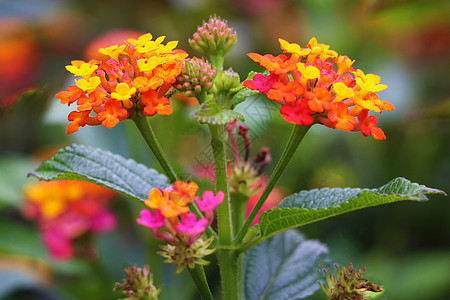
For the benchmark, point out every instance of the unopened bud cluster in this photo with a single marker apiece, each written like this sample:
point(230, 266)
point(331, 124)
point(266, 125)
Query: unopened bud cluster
point(213, 37)
point(138, 284)
point(184, 255)
point(196, 76)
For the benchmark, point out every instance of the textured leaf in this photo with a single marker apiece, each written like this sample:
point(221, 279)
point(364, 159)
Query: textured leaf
point(209, 113)
point(284, 267)
point(311, 206)
point(101, 167)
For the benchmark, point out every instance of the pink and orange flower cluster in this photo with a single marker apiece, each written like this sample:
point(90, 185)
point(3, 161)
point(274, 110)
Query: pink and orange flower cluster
point(317, 85)
point(67, 210)
point(133, 80)
point(171, 219)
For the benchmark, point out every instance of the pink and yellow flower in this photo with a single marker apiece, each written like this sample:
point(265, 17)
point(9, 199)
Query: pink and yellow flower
point(171, 211)
point(133, 80)
point(65, 210)
point(317, 85)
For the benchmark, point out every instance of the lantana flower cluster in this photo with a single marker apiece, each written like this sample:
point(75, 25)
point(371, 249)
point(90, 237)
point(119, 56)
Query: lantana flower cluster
point(317, 85)
point(172, 221)
point(66, 211)
point(133, 80)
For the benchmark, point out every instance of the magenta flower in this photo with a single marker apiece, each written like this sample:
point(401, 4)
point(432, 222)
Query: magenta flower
point(209, 202)
point(104, 220)
point(300, 113)
point(58, 244)
point(261, 83)
point(191, 226)
point(149, 220)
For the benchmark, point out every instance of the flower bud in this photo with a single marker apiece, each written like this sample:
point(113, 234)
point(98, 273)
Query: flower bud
point(228, 81)
point(138, 284)
point(187, 255)
point(243, 178)
point(348, 283)
point(213, 37)
point(196, 76)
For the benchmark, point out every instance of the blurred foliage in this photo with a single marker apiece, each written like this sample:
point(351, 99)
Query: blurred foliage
point(405, 246)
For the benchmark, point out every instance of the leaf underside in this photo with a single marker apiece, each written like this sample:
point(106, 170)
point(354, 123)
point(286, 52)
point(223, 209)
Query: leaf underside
point(284, 267)
point(79, 162)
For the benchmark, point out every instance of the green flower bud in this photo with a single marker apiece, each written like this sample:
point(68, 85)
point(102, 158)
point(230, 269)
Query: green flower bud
point(227, 81)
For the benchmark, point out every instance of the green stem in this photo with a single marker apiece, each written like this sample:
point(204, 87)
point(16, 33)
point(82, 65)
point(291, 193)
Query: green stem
point(199, 277)
point(217, 61)
point(230, 273)
point(296, 137)
point(218, 139)
point(238, 206)
point(143, 124)
point(227, 256)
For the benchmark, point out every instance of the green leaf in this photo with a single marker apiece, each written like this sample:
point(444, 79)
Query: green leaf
point(78, 162)
point(283, 267)
point(210, 114)
point(245, 92)
point(13, 176)
point(311, 206)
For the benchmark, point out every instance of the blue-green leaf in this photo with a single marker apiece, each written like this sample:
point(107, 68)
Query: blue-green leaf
point(284, 267)
point(314, 205)
point(78, 162)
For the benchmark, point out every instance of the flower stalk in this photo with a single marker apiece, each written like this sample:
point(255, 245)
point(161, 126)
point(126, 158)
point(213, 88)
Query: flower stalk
point(145, 128)
point(297, 135)
point(227, 257)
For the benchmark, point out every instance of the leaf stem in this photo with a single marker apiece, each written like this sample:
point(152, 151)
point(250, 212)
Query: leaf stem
point(296, 137)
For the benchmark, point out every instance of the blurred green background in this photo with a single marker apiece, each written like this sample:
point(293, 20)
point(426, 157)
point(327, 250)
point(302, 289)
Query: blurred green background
point(406, 246)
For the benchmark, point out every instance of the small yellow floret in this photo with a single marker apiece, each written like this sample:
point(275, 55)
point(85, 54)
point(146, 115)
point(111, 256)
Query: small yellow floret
point(123, 92)
point(113, 51)
point(88, 85)
point(141, 40)
point(342, 91)
point(149, 64)
point(293, 48)
point(369, 82)
point(309, 72)
point(83, 69)
point(151, 46)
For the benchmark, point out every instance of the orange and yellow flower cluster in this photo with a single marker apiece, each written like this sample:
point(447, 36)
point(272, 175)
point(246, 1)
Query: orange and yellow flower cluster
point(133, 80)
point(316, 85)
